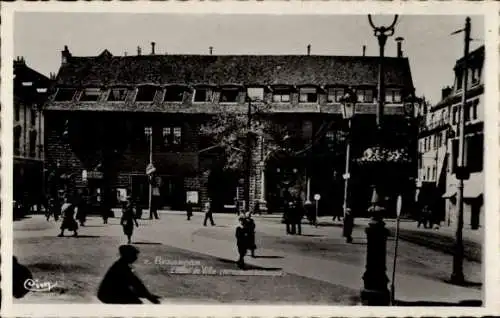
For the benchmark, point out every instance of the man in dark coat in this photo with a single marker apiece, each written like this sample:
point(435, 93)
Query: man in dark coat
point(348, 225)
point(120, 285)
point(241, 241)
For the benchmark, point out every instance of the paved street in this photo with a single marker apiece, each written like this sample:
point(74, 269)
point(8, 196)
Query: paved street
point(317, 267)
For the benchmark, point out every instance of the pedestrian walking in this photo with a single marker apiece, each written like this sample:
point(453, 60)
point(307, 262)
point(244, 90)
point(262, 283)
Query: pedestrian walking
point(288, 217)
point(128, 219)
point(348, 225)
point(20, 274)
point(424, 216)
point(53, 209)
point(189, 210)
point(298, 215)
point(250, 228)
point(68, 223)
point(208, 213)
point(120, 285)
point(81, 214)
point(155, 197)
point(241, 241)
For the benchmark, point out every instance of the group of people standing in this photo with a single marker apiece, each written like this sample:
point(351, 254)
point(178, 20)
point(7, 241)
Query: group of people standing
point(245, 238)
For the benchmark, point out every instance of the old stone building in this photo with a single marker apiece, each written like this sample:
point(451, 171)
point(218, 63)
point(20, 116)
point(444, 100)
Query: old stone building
point(31, 90)
point(104, 107)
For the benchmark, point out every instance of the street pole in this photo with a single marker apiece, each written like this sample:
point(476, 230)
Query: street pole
point(346, 175)
point(457, 276)
point(393, 282)
point(150, 196)
point(375, 291)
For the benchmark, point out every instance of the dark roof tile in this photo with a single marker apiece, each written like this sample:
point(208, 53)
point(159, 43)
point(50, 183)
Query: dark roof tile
point(106, 70)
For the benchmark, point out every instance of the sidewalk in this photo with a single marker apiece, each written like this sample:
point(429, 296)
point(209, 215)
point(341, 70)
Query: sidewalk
point(330, 271)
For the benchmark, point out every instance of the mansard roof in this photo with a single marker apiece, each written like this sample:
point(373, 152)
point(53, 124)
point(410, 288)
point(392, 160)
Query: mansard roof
point(108, 70)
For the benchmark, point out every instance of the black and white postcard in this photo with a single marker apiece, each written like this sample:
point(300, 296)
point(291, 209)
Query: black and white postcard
point(249, 159)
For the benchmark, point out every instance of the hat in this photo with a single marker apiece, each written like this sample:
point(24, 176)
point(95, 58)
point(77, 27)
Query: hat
point(128, 250)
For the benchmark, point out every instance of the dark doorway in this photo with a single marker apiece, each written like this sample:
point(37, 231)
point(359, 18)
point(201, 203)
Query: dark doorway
point(475, 217)
point(222, 186)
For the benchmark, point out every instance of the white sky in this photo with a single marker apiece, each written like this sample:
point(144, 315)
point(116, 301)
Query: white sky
point(432, 51)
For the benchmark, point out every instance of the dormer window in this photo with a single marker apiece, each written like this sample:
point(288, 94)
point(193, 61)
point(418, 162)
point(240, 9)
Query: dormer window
point(175, 94)
point(365, 95)
point(393, 96)
point(117, 95)
point(229, 94)
point(65, 94)
point(146, 94)
point(202, 95)
point(475, 75)
point(255, 93)
point(459, 80)
point(308, 95)
point(90, 95)
point(335, 94)
point(281, 94)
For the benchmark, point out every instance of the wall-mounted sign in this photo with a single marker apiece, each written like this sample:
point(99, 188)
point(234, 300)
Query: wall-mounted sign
point(94, 175)
point(192, 197)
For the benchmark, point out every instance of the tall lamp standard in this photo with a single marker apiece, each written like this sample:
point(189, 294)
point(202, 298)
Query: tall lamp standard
point(348, 101)
point(148, 131)
point(375, 291)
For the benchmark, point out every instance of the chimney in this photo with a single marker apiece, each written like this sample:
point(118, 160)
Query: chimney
point(364, 50)
point(139, 50)
point(445, 92)
point(400, 40)
point(309, 49)
point(65, 55)
point(153, 48)
point(125, 53)
point(211, 49)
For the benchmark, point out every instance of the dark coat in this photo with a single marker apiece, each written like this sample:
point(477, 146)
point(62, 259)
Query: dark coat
point(121, 286)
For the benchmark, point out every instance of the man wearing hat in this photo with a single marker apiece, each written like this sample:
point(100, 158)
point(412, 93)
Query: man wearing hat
point(120, 285)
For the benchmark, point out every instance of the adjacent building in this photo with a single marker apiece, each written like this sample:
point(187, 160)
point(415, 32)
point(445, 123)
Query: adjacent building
point(438, 146)
point(105, 107)
point(31, 90)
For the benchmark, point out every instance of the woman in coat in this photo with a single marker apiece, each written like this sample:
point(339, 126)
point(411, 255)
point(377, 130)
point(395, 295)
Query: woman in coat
point(128, 220)
point(68, 213)
point(250, 228)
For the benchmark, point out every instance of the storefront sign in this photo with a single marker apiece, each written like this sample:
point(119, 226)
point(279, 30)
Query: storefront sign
point(94, 175)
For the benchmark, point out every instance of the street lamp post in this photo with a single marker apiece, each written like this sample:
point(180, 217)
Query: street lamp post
point(375, 291)
point(348, 101)
point(148, 131)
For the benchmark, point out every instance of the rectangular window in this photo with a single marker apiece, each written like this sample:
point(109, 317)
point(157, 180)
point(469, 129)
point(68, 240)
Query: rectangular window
point(365, 95)
point(308, 95)
point(17, 140)
point(117, 95)
point(167, 136)
point(177, 136)
point(474, 109)
point(174, 94)
point(202, 95)
point(146, 94)
point(459, 80)
point(434, 174)
point(428, 174)
point(255, 93)
point(335, 94)
point(65, 94)
point(27, 83)
point(455, 113)
point(393, 96)
point(17, 112)
point(33, 117)
point(90, 95)
point(172, 136)
point(33, 135)
point(475, 152)
point(229, 95)
point(281, 95)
